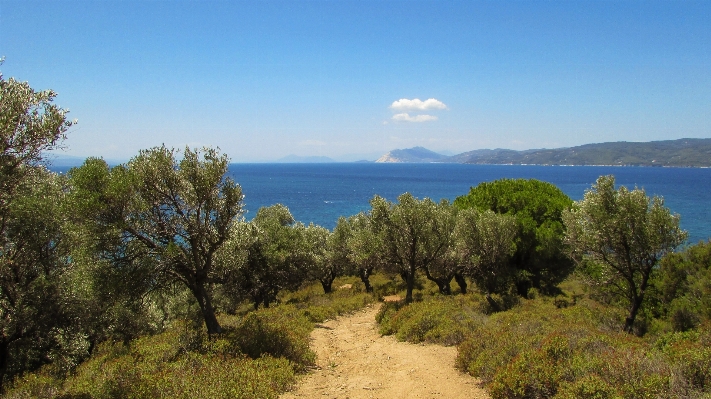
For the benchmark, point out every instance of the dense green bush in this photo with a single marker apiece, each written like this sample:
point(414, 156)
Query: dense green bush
point(537, 206)
point(682, 287)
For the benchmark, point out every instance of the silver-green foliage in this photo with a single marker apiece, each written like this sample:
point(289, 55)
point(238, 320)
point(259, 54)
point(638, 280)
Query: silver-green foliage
point(265, 256)
point(32, 252)
point(621, 235)
point(484, 243)
point(411, 233)
point(161, 216)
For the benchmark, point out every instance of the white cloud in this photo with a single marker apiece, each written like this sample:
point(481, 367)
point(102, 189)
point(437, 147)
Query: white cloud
point(405, 117)
point(404, 104)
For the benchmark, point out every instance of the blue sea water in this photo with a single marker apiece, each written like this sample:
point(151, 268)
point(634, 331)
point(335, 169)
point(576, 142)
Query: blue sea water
point(320, 193)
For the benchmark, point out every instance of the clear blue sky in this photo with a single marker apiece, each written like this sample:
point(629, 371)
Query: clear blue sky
point(262, 80)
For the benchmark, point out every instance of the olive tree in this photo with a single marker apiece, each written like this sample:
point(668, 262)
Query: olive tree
point(32, 254)
point(411, 236)
point(165, 216)
point(33, 263)
point(484, 245)
point(354, 247)
point(265, 256)
point(322, 263)
point(446, 265)
point(30, 123)
point(624, 234)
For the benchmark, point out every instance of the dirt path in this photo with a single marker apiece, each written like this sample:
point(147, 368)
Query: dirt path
point(354, 362)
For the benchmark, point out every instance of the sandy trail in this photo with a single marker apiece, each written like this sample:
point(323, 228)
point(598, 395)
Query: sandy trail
point(354, 361)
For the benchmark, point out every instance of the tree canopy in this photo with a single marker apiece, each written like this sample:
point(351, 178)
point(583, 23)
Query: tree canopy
point(32, 252)
point(539, 261)
point(169, 216)
point(267, 255)
point(484, 244)
point(622, 234)
point(412, 234)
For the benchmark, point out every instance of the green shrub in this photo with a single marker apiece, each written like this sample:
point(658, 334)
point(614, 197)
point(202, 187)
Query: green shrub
point(156, 367)
point(318, 307)
point(35, 385)
point(690, 353)
point(588, 387)
point(276, 332)
point(445, 320)
point(256, 356)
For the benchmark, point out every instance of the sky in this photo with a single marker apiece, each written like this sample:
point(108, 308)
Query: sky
point(354, 79)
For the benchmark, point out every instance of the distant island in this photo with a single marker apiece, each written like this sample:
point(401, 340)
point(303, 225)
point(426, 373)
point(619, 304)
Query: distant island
point(412, 155)
point(679, 153)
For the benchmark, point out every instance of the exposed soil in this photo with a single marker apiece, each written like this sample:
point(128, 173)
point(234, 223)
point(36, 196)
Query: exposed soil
point(354, 361)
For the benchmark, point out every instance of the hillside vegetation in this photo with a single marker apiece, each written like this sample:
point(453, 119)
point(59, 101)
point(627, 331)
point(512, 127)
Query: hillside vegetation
point(143, 280)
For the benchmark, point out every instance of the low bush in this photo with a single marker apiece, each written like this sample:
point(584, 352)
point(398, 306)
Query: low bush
point(256, 356)
point(317, 306)
point(154, 367)
point(437, 319)
point(538, 350)
point(276, 332)
point(690, 353)
point(568, 346)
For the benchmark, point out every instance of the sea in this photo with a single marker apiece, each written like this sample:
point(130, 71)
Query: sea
point(320, 193)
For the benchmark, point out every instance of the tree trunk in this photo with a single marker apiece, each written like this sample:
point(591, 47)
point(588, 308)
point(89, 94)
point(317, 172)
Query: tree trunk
point(442, 283)
point(634, 309)
point(4, 360)
point(522, 288)
point(629, 321)
point(494, 306)
point(208, 312)
point(637, 302)
point(257, 300)
point(365, 278)
point(461, 282)
point(326, 284)
point(410, 279)
point(444, 287)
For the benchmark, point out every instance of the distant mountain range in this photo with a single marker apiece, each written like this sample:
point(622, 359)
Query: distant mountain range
point(682, 152)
